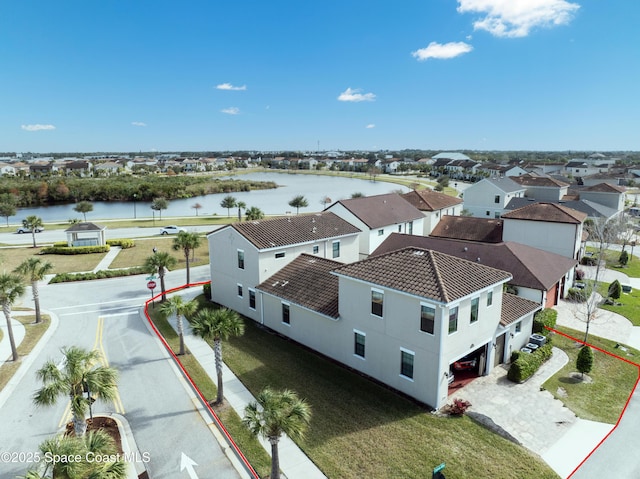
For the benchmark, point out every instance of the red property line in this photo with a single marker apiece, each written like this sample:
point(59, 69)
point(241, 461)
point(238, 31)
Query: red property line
point(221, 427)
point(626, 404)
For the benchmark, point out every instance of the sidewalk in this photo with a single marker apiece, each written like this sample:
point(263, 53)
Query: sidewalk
point(108, 259)
point(293, 462)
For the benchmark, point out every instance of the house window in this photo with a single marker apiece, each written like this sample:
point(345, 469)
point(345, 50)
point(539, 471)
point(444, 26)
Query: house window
point(406, 363)
point(358, 343)
point(252, 299)
point(280, 254)
point(518, 327)
point(489, 298)
point(399, 228)
point(377, 301)
point(380, 232)
point(240, 259)
point(496, 214)
point(453, 320)
point(496, 199)
point(240, 292)
point(427, 318)
point(336, 249)
point(488, 213)
point(475, 303)
point(410, 227)
point(286, 313)
point(316, 249)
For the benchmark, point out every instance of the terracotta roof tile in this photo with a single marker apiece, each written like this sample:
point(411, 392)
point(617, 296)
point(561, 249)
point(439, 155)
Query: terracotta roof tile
point(531, 180)
point(514, 307)
point(308, 282)
point(428, 200)
point(605, 188)
point(549, 212)
point(469, 228)
point(425, 273)
point(382, 210)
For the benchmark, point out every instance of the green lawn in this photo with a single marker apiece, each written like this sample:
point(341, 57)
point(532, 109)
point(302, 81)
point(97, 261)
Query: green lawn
point(629, 306)
point(143, 248)
point(613, 379)
point(632, 269)
point(10, 258)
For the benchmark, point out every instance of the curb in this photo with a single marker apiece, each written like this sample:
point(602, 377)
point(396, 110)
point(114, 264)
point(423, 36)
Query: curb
point(134, 459)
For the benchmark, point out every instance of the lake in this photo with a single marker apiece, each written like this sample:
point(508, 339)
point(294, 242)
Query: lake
point(271, 202)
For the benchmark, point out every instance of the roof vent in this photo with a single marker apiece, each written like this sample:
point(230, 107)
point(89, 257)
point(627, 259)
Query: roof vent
point(419, 253)
point(465, 249)
point(313, 230)
point(284, 283)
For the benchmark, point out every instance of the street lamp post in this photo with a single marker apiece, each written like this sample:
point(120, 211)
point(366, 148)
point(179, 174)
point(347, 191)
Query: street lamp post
point(134, 205)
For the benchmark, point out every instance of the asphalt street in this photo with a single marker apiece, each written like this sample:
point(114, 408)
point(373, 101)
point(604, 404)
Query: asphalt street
point(105, 315)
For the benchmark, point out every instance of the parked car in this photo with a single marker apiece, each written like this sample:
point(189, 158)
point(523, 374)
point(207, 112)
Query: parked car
point(24, 229)
point(171, 230)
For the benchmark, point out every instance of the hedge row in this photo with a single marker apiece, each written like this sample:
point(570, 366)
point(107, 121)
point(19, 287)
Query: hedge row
point(544, 319)
point(102, 274)
point(524, 365)
point(123, 243)
point(75, 249)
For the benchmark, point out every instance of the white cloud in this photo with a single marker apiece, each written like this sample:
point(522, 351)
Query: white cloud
point(37, 127)
point(354, 95)
point(229, 86)
point(138, 123)
point(370, 125)
point(232, 110)
point(442, 50)
point(516, 18)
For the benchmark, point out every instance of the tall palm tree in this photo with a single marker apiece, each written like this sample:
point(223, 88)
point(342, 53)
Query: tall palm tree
point(11, 288)
point(216, 325)
point(35, 269)
point(33, 223)
point(187, 242)
point(79, 372)
point(228, 202)
point(159, 263)
point(241, 206)
point(273, 414)
point(180, 308)
point(253, 214)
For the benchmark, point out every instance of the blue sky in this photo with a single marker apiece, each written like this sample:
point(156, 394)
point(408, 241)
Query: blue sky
point(141, 75)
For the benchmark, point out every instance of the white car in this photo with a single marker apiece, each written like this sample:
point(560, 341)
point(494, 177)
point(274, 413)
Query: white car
point(24, 229)
point(171, 230)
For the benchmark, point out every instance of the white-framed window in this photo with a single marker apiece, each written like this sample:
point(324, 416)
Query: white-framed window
point(252, 299)
point(380, 232)
point(406, 363)
point(488, 213)
point(286, 313)
point(410, 227)
point(453, 320)
point(316, 249)
point(427, 318)
point(240, 259)
point(240, 291)
point(475, 306)
point(377, 302)
point(496, 199)
point(335, 246)
point(359, 339)
point(280, 254)
point(489, 298)
point(518, 327)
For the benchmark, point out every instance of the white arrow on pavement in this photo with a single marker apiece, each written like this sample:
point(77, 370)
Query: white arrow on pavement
point(187, 463)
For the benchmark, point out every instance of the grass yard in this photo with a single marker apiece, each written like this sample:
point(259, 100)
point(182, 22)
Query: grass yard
point(10, 258)
point(33, 333)
point(612, 256)
point(360, 429)
point(613, 379)
point(629, 308)
point(144, 248)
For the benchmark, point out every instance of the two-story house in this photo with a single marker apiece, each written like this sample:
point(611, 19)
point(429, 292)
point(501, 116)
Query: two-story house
point(377, 217)
point(434, 206)
point(542, 188)
point(404, 318)
point(243, 255)
point(489, 197)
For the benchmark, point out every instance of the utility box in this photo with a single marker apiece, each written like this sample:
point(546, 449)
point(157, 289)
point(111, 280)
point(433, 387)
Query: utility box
point(538, 339)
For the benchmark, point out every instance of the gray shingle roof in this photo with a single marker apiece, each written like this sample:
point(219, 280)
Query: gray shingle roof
point(425, 273)
point(506, 184)
point(381, 210)
point(79, 227)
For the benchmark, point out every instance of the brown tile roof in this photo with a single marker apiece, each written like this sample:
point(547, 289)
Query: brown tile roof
point(469, 228)
point(277, 232)
point(381, 210)
point(425, 273)
point(605, 188)
point(514, 307)
point(531, 180)
point(429, 200)
point(530, 267)
point(549, 212)
point(308, 282)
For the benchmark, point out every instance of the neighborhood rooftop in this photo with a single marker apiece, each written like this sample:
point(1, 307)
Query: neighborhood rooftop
point(429, 200)
point(469, 228)
point(549, 212)
point(514, 307)
point(381, 210)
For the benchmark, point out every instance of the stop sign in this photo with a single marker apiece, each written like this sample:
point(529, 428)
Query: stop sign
point(151, 284)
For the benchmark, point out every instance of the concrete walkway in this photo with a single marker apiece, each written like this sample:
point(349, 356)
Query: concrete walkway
point(108, 259)
point(293, 462)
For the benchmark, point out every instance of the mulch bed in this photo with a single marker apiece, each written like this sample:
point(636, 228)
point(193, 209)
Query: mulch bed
point(105, 424)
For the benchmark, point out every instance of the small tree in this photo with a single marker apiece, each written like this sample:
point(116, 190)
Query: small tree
point(624, 259)
point(8, 206)
point(298, 202)
point(83, 207)
point(584, 362)
point(254, 214)
point(324, 201)
point(241, 205)
point(615, 290)
point(228, 202)
point(357, 194)
point(33, 223)
point(196, 207)
point(159, 204)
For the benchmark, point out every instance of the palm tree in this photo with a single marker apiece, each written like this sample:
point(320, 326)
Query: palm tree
point(241, 206)
point(216, 325)
point(35, 269)
point(33, 223)
point(79, 372)
point(180, 308)
point(298, 202)
point(11, 288)
point(253, 214)
point(187, 242)
point(273, 414)
point(159, 262)
point(228, 202)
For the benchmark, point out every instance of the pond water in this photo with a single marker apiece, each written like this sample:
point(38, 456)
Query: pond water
point(271, 202)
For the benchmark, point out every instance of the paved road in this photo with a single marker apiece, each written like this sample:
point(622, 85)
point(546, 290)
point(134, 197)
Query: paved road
point(105, 315)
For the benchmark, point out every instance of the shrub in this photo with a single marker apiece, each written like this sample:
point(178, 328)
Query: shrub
point(527, 364)
point(615, 290)
point(579, 274)
point(102, 274)
point(458, 407)
point(124, 243)
point(544, 319)
point(624, 258)
point(74, 249)
point(206, 290)
point(589, 261)
point(576, 294)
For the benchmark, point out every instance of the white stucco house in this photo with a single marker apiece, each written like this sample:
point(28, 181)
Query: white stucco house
point(243, 255)
point(434, 205)
point(489, 197)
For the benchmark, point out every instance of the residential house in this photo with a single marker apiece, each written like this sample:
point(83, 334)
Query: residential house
point(592, 209)
point(377, 217)
point(489, 197)
point(106, 168)
point(80, 168)
point(243, 255)
point(7, 169)
point(485, 230)
point(497, 170)
point(434, 205)
point(542, 188)
point(548, 226)
point(605, 194)
point(403, 318)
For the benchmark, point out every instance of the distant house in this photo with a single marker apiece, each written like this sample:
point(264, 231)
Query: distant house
point(542, 188)
point(497, 170)
point(7, 169)
point(489, 197)
point(605, 194)
point(434, 205)
point(107, 168)
point(377, 217)
point(78, 167)
point(468, 228)
point(243, 255)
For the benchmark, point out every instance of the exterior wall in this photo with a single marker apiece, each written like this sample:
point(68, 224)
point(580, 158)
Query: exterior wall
point(432, 218)
point(515, 340)
point(559, 238)
point(546, 193)
point(531, 294)
point(480, 198)
point(612, 200)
